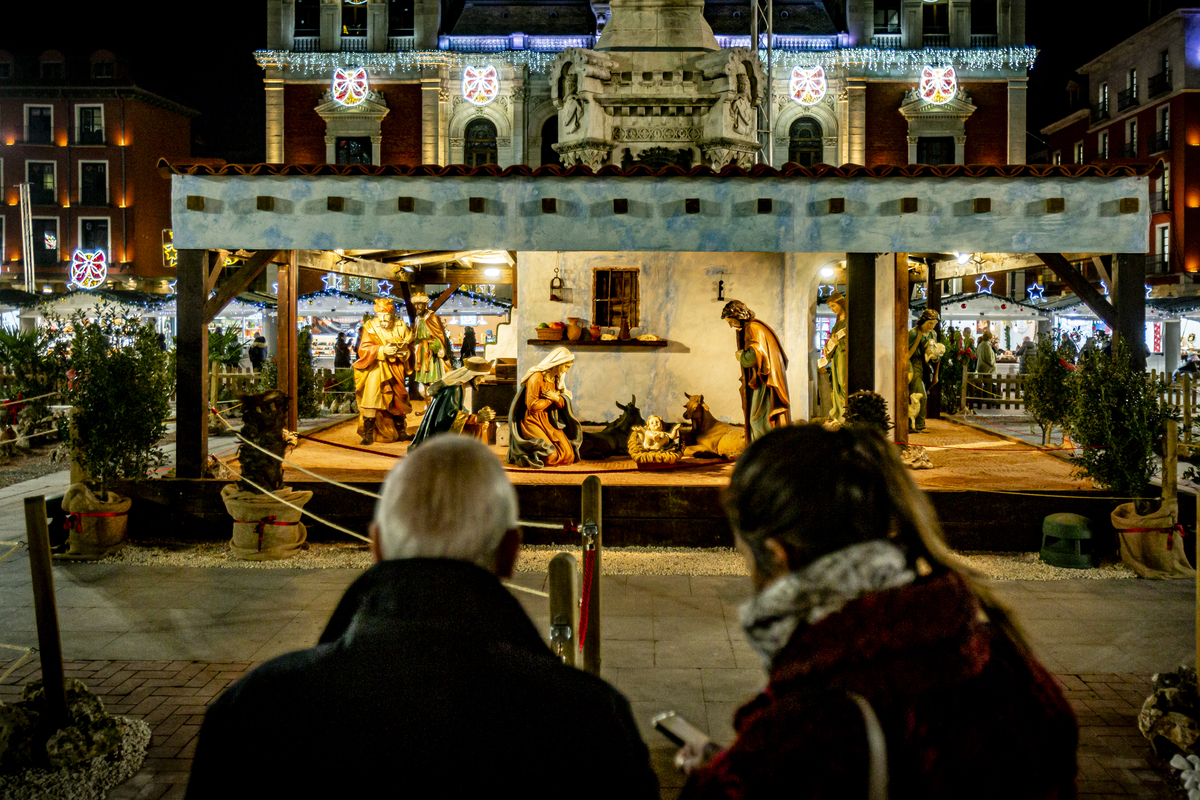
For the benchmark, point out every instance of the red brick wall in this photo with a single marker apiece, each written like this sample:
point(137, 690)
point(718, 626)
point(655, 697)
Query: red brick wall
point(303, 128)
point(887, 130)
point(401, 128)
point(153, 133)
point(987, 128)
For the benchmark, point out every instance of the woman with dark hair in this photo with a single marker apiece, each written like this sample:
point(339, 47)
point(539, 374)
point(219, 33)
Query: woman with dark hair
point(856, 599)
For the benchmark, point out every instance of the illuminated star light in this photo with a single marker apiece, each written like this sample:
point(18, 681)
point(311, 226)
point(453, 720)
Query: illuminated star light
point(1036, 292)
point(1104, 286)
point(384, 289)
point(983, 284)
point(333, 281)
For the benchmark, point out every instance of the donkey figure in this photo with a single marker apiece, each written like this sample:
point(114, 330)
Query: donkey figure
point(708, 437)
point(614, 439)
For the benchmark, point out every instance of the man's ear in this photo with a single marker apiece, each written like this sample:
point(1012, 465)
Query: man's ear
point(376, 546)
point(506, 553)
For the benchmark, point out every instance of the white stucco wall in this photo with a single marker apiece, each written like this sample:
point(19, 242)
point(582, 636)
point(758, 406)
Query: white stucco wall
point(679, 303)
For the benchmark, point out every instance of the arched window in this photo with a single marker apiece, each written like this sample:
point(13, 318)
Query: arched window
point(479, 143)
point(804, 142)
point(549, 139)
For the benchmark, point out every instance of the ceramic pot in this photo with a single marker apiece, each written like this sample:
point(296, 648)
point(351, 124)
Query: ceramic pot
point(595, 332)
point(574, 331)
point(624, 334)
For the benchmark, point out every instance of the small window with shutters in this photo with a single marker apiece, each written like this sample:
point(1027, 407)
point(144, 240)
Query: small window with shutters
point(616, 297)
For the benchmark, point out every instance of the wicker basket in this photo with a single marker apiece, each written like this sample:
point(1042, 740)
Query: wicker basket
point(550, 334)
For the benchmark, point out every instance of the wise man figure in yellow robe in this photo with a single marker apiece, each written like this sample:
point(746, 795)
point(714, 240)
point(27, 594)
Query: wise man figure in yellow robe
point(379, 373)
point(764, 371)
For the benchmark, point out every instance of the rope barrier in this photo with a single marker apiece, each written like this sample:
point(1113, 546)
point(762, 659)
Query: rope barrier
point(290, 464)
point(348, 446)
point(321, 520)
point(521, 588)
point(585, 601)
point(28, 399)
point(27, 654)
point(13, 547)
point(566, 527)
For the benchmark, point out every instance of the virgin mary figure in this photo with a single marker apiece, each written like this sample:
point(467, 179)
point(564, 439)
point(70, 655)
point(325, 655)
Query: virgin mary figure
point(543, 429)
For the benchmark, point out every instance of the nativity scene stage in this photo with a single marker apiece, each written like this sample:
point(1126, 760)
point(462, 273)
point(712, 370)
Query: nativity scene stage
point(678, 286)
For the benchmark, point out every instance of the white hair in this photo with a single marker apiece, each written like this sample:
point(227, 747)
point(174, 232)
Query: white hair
point(448, 498)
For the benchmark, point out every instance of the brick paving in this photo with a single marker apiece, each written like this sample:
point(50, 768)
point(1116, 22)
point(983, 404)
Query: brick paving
point(1115, 761)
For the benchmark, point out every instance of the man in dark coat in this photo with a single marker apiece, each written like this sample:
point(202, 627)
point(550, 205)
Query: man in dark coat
point(430, 680)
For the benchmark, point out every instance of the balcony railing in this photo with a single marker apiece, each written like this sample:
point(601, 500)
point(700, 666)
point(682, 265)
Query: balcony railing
point(354, 44)
point(1160, 83)
point(306, 44)
point(886, 41)
point(39, 196)
point(398, 44)
point(87, 136)
point(1127, 99)
point(1100, 112)
point(1158, 263)
point(1160, 141)
point(936, 40)
point(985, 40)
point(1160, 203)
point(1127, 150)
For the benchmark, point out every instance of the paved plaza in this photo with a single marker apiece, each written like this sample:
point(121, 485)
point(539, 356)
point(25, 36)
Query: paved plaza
point(160, 642)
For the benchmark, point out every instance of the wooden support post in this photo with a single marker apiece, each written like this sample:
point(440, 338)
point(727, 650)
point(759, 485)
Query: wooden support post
point(933, 300)
point(191, 387)
point(444, 296)
point(860, 322)
point(899, 401)
point(289, 278)
point(37, 535)
point(592, 548)
point(1129, 295)
point(1170, 475)
point(1187, 408)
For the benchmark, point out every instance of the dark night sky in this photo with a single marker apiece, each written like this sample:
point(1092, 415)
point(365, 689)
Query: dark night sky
point(201, 54)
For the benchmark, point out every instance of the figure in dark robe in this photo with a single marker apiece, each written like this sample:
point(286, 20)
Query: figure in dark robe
point(446, 413)
point(543, 428)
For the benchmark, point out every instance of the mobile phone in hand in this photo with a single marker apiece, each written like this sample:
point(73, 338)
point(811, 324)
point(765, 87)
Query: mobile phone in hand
point(679, 730)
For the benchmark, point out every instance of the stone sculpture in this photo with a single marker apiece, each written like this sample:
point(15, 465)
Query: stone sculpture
point(379, 374)
point(834, 356)
point(543, 429)
point(613, 440)
point(708, 437)
point(430, 346)
point(764, 371)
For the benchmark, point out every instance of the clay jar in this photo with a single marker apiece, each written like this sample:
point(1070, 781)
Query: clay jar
point(574, 331)
point(595, 332)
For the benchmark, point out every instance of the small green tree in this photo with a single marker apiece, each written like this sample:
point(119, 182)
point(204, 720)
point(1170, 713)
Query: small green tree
point(870, 409)
point(1117, 418)
point(119, 382)
point(36, 360)
point(308, 390)
point(226, 348)
point(1047, 386)
point(955, 363)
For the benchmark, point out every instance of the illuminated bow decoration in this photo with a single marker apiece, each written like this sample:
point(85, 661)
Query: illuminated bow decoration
point(939, 85)
point(88, 270)
point(807, 85)
point(350, 87)
point(480, 86)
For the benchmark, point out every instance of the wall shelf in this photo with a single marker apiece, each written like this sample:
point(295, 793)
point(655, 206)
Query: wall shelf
point(597, 344)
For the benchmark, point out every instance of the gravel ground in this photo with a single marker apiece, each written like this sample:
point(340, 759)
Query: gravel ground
point(88, 781)
point(25, 466)
point(617, 560)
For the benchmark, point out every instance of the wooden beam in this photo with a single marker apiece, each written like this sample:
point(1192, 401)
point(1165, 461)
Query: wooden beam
point(327, 261)
point(444, 296)
point(285, 359)
point(1061, 267)
point(424, 275)
point(1129, 294)
point(860, 322)
point(213, 273)
point(237, 283)
point(191, 381)
point(900, 325)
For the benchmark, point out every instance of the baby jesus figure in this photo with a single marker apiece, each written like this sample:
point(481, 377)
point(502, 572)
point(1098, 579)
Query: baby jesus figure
point(654, 437)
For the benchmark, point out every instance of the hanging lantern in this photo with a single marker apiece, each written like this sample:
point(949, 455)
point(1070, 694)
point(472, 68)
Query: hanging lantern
point(556, 287)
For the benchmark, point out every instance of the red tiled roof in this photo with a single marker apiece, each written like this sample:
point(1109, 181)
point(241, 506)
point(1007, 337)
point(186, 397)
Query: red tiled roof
point(168, 167)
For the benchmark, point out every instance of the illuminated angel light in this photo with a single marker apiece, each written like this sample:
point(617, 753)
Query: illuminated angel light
point(939, 85)
point(88, 270)
point(983, 284)
point(350, 86)
point(480, 86)
point(1036, 292)
point(807, 86)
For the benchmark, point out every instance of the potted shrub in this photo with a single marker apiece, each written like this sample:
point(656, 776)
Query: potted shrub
point(264, 529)
point(36, 361)
point(1117, 419)
point(1047, 386)
point(118, 383)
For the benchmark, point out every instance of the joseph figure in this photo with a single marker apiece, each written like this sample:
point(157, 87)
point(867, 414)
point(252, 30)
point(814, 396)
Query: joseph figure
point(383, 353)
point(764, 371)
point(430, 345)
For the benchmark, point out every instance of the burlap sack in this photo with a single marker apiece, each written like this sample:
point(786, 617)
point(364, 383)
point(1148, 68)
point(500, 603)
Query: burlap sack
point(91, 532)
point(1154, 553)
point(265, 529)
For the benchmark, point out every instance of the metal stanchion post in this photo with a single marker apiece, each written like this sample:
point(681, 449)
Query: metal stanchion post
point(49, 645)
point(564, 604)
point(592, 545)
